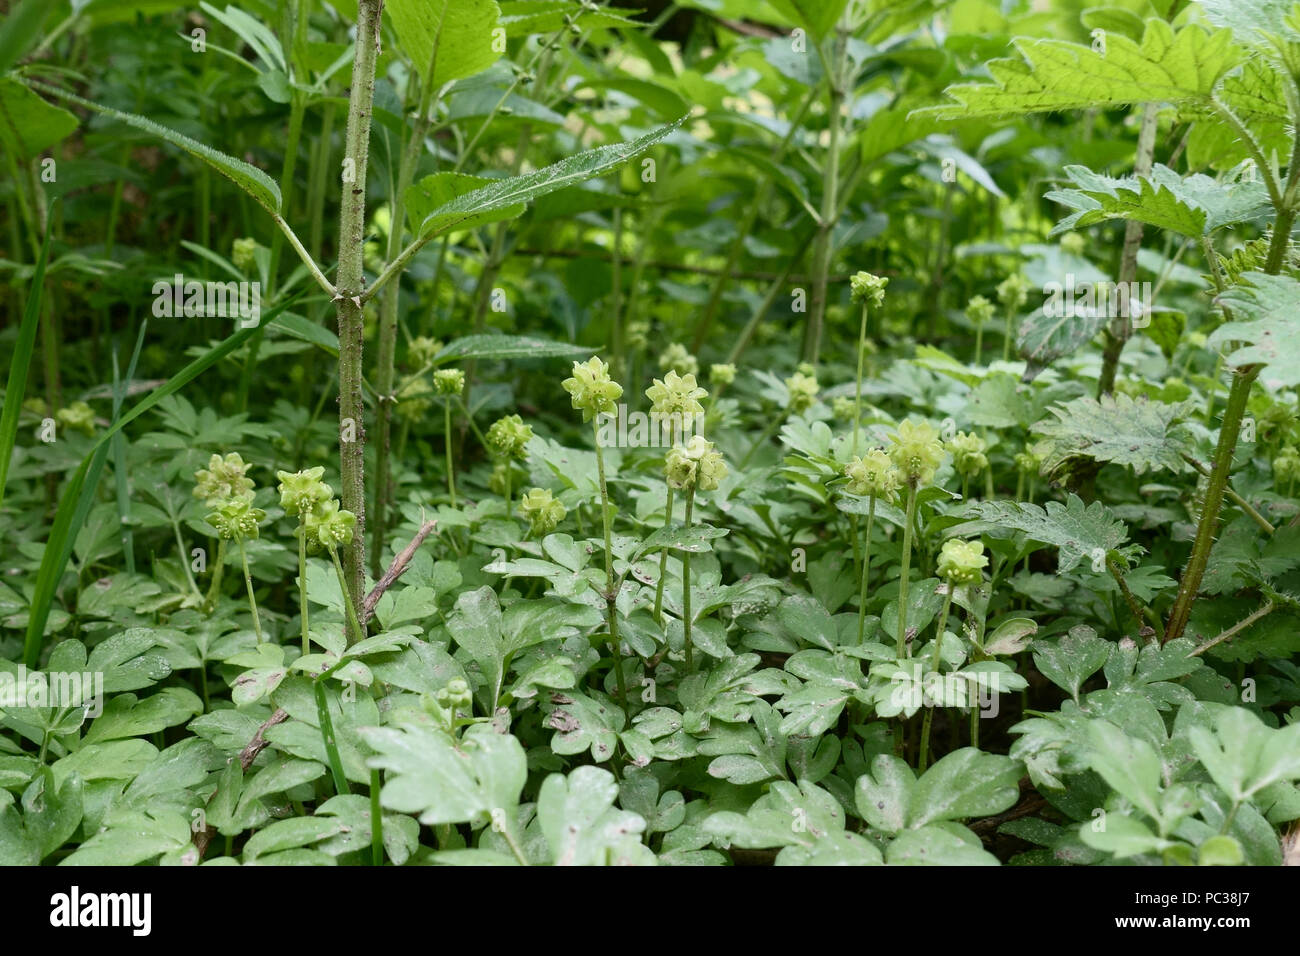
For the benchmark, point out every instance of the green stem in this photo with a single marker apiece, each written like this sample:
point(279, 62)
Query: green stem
point(353, 622)
point(663, 555)
point(901, 643)
point(451, 473)
point(935, 660)
point(611, 598)
point(376, 822)
point(214, 588)
point(350, 279)
point(857, 393)
point(686, 589)
point(822, 250)
point(302, 584)
point(866, 567)
point(248, 582)
point(327, 735)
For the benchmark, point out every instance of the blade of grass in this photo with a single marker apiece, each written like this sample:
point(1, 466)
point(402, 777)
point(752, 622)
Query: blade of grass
point(21, 362)
point(79, 494)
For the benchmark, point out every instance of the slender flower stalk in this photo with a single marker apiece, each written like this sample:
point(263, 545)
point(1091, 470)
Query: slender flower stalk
point(248, 583)
point(917, 454)
point(874, 476)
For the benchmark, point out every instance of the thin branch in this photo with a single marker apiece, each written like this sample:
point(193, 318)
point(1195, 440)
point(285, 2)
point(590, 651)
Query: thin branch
point(395, 570)
point(304, 255)
point(1241, 502)
point(260, 743)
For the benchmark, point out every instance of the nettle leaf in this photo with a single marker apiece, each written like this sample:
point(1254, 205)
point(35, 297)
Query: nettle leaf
point(517, 191)
point(29, 125)
point(522, 17)
point(435, 191)
point(1268, 305)
point(454, 37)
point(1046, 335)
point(1052, 75)
point(1078, 530)
point(1117, 428)
point(504, 347)
point(248, 178)
point(1194, 206)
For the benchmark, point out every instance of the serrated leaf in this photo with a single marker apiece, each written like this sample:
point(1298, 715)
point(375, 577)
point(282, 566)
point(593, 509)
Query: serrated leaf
point(433, 192)
point(503, 193)
point(454, 36)
point(1047, 335)
point(249, 178)
point(1194, 206)
point(505, 347)
point(1078, 530)
point(1052, 75)
point(1272, 323)
point(1117, 428)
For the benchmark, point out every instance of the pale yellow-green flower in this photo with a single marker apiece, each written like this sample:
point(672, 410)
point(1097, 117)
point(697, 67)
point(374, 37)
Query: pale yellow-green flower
point(962, 562)
point(237, 519)
point(979, 310)
point(676, 395)
point(679, 360)
point(917, 451)
point(696, 465)
point(329, 526)
point(449, 381)
point(301, 492)
point(224, 479)
point(874, 474)
point(542, 511)
point(722, 373)
point(868, 288)
point(593, 391)
point(78, 417)
point(803, 388)
point(968, 453)
point(243, 254)
point(508, 437)
point(1013, 291)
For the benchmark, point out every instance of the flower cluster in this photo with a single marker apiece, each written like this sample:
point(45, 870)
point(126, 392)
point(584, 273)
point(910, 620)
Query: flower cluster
point(979, 310)
point(236, 519)
point(676, 358)
point(507, 438)
point(1013, 291)
point(1028, 461)
point(1286, 466)
point(868, 289)
point(542, 511)
point(803, 388)
point(243, 254)
point(697, 465)
point(968, 453)
point(324, 523)
point(722, 373)
point(873, 474)
point(917, 452)
point(962, 562)
point(77, 417)
point(421, 350)
point(676, 397)
point(449, 381)
point(223, 480)
point(592, 390)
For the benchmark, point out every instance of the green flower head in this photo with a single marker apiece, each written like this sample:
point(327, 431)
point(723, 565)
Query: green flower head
point(421, 350)
point(329, 526)
point(962, 562)
point(507, 438)
point(449, 381)
point(542, 511)
point(843, 408)
point(803, 388)
point(917, 452)
point(592, 390)
point(414, 398)
point(638, 333)
point(868, 289)
point(722, 373)
point(696, 465)
point(236, 519)
point(676, 395)
point(1028, 461)
point(1286, 466)
point(979, 310)
point(874, 475)
point(77, 417)
point(1073, 244)
point(456, 695)
point(243, 254)
point(968, 453)
point(1013, 291)
point(223, 480)
point(679, 360)
point(301, 492)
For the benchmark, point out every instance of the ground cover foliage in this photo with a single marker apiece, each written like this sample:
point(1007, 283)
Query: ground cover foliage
point(550, 432)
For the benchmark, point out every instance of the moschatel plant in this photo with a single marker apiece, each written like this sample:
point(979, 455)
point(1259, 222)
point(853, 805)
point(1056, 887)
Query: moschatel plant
point(869, 591)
